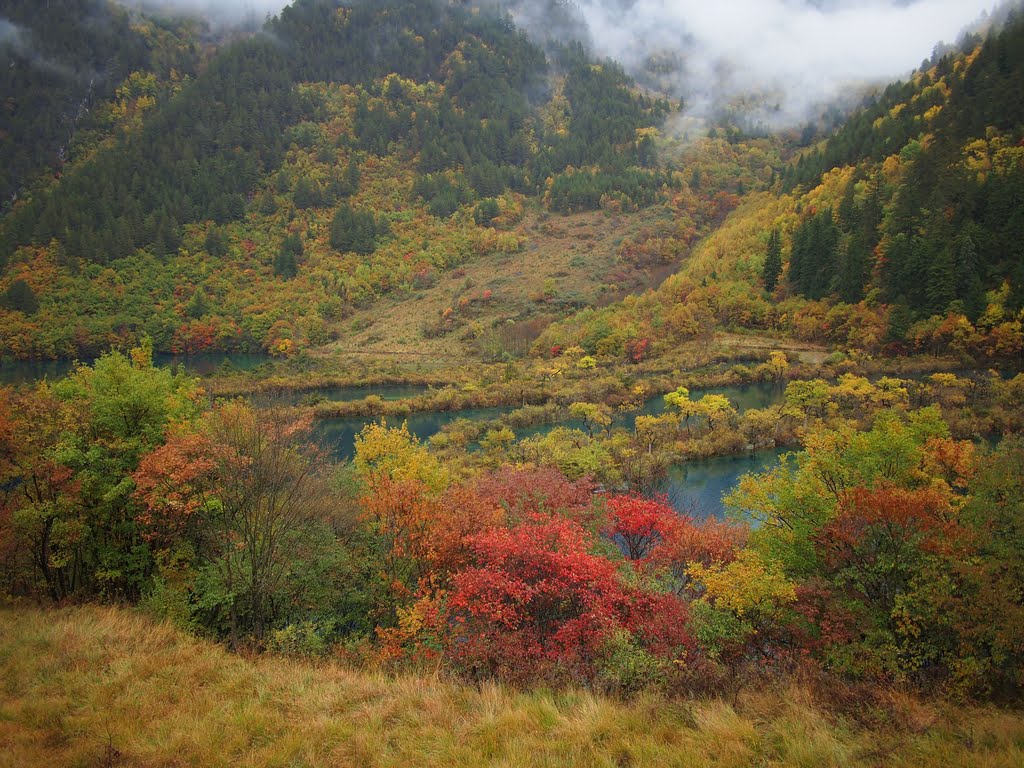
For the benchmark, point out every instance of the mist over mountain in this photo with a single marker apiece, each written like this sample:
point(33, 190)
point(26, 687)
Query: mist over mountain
point(792, 55)
point(248, 13)
point(775, 60)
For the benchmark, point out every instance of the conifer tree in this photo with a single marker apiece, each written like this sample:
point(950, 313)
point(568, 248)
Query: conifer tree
point(286, 261)
point(216, 243)
point(772, 261)
point(21, 298)
point(266, 204)
point(197, 305)
point(307, 193)
point(355, 231)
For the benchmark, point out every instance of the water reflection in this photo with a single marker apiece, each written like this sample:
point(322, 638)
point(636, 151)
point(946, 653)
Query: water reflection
point(697, 487)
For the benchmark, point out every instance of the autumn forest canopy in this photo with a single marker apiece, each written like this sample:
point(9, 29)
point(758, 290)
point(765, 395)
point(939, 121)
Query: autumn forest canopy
point(478, 308)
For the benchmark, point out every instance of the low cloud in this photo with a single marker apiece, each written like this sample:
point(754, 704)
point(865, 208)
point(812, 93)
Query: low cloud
point(12, 37)
point(792, 54)
point(250, 13)
point(16, 42)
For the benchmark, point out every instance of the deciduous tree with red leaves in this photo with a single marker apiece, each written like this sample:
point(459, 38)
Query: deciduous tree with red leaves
point(249, 487)
point(638, 525)
point(538, 603)
point(890, 557)
point(705, 542)
point(174, 483)
point(536, 599)
point(877, 541)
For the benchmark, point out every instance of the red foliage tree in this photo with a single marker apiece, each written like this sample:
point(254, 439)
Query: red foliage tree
point(636, 350)
point(535, 601)
point(638, 525)
point(194, 337)
point(461, 513)
point(174, 483)
point(400, 512)
point(879, 539)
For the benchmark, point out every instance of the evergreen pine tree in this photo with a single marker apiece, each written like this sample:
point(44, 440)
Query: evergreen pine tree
point(307, 193)
point(941, 279)
point(356, 231)
point(266, 205)
point(772, 262)
point(968, 280)
point(853, 265)
point(286, 262)
point(798, 259)
point(197, 305)
point(341, 229)
point(20, 297)
point(900, 320)
point(216, 243)
point(486, 211)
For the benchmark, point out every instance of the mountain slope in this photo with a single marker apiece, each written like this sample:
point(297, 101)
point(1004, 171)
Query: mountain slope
point(61, 64)
point(902, 232)
point(353, 154)
point(261, 169)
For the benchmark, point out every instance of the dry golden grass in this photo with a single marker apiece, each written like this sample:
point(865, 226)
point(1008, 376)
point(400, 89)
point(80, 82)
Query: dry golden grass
point(104, 686)
point(574, 252)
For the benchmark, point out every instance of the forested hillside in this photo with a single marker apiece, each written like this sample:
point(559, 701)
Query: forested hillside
point(70, 69)
point(266, 161)
point(932, 215)
point(204, 197)
point(902, 232)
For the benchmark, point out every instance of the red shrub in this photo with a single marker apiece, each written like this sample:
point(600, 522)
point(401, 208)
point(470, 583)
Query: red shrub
point(705, 542)
point(536, 603)
point(636, 350)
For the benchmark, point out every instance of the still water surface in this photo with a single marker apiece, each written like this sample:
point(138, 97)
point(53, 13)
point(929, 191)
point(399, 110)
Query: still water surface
point(696, 486)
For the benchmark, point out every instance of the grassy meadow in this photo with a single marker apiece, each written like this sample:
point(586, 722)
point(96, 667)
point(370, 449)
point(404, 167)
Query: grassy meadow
point(106, 686)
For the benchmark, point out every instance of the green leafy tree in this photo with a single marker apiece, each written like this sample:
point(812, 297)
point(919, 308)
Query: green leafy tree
point(79, 522)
